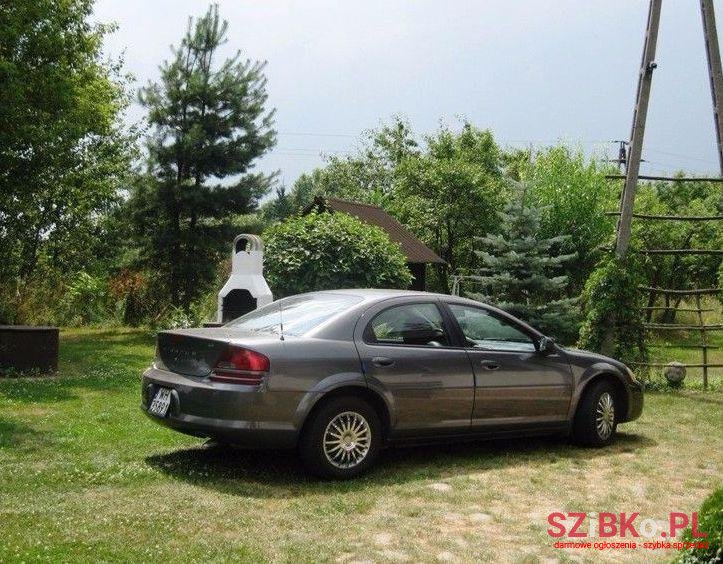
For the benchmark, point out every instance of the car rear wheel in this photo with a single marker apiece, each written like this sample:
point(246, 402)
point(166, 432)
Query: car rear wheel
point(342, 439)
point(596, 419)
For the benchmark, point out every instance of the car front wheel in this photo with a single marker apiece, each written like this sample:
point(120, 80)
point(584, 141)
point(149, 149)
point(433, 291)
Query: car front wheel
point(342, 439)
point(597, 416)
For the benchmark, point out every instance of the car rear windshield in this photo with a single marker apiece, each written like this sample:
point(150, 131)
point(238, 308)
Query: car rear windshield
point(299, 314)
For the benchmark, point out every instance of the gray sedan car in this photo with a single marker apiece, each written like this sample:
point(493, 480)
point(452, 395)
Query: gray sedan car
point(341, 374)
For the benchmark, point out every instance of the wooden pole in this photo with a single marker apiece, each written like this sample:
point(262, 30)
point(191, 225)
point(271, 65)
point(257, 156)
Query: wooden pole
point(703, 340)
point(715, 73)
point(640, 114)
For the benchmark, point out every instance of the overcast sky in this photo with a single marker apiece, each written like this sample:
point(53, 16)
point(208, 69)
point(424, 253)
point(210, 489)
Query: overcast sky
point(532, 71)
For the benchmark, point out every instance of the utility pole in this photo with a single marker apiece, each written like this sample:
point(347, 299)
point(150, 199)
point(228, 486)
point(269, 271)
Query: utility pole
point(640, 114)
point(714, 70)
point(712, 50)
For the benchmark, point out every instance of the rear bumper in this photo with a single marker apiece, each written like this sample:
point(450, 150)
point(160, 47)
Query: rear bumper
point(249, 416)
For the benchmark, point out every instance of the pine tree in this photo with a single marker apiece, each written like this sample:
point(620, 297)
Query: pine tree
point(280, 207)
point(519, 267)
point(209, 124)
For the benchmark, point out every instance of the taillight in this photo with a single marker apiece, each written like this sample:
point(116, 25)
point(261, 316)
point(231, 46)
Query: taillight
point(240, 366)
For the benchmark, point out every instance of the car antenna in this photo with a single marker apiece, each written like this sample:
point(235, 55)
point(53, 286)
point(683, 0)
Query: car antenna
point(281, 320)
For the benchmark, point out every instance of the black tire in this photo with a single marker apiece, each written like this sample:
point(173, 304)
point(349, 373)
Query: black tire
point(590, 427)
point(339, 410)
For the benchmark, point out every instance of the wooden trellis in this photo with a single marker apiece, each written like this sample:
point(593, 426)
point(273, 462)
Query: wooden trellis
point(632, 160)
point(695, 293)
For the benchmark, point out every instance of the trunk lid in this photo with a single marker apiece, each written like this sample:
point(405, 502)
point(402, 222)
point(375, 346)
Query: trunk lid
point(194, 352)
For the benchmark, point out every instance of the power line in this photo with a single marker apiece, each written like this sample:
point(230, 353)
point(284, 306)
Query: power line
point(314, 134)
point(680, 155)
point(320, 152)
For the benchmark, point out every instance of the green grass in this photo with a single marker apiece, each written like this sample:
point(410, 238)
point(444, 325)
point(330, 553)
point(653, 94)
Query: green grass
point(85, 476)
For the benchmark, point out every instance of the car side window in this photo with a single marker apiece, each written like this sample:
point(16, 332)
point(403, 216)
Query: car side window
point(483, 330)
point(409, 324)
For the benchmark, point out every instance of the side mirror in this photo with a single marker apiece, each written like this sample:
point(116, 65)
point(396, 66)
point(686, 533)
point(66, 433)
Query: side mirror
point(546, 345)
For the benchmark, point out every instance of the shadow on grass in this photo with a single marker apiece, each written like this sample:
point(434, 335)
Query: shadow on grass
point(279, 474)
point(56, 388)
point(19, 436)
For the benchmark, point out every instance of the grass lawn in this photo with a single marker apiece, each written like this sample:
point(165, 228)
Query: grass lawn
point(84, 476)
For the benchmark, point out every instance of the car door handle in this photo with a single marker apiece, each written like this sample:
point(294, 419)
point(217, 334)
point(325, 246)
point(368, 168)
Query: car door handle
point(489, 364)
point(382, 361)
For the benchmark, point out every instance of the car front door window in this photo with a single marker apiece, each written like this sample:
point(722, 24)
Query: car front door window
point(483, 330)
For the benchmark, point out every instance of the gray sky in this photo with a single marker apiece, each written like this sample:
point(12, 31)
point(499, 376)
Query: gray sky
point(532, 71)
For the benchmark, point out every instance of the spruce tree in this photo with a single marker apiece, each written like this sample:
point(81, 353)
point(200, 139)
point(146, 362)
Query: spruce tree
point(208, 125)
point(519, 270)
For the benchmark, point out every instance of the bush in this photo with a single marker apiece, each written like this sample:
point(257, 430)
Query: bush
point(323, 251)
point(138, 296)
point(175, 318)
point(613, 319)
point(85, 300)
point(710, 520)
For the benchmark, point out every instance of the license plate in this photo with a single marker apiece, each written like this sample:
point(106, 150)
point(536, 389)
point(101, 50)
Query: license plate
point(161, 402)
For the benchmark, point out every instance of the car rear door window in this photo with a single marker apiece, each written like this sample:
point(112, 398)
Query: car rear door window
point(484, 330)
point(409, 324)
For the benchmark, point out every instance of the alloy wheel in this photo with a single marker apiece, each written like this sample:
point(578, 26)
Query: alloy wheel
point(605, 415)
point(347, 439)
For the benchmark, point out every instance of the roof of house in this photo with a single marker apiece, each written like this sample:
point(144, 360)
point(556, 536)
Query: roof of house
point(413, 248)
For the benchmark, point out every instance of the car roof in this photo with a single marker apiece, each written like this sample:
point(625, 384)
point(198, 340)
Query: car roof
point(382, 293)
point(377, 292)
point(370, 295)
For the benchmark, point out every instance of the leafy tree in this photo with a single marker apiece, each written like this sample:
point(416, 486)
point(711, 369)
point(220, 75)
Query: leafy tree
point(574, 196)
point(85, 300)
point(519, 272)
point(450, 193)
point(445, 191)
point(63, 151)
point(209, 124)
point(322, 251)
point(613, 319)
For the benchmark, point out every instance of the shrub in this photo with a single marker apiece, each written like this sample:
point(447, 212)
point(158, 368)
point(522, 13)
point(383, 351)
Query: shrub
point(323, 251)
point(175, 318)
point(85, 300)
point(139, 297)
point(710, 520)
point(613, 319)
